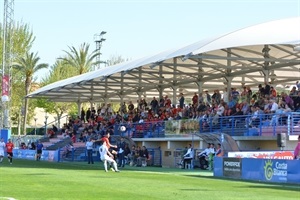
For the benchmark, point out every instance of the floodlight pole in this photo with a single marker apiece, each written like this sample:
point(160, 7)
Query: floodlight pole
point(8, 16)
point(98, 40)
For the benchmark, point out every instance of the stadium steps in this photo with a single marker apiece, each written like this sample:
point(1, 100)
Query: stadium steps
point(57, 143)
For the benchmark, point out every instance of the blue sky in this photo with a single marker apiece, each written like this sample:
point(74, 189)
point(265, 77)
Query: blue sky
point(137, 28)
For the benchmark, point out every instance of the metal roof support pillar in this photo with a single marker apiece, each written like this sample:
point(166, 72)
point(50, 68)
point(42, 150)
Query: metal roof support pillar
point(139, 95)
point(78, 108)
point(200, 87)
point(175, 87)
point(160, 89)
point(160, 92)
point(229, 80)
point(266, 77)
point(174, 101)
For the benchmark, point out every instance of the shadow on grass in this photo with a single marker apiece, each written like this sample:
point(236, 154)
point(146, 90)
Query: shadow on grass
point(259, 184)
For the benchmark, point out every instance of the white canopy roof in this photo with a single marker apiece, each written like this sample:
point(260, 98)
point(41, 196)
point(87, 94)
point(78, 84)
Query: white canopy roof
point(246, 57)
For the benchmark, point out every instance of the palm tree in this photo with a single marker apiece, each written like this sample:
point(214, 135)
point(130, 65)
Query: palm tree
point(28, 65)
point(81, 60)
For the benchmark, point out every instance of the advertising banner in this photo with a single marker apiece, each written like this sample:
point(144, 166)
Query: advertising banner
point(287, 155)
point(5, 88)
point(218, 166)
point(232, 167)
point(30, 154)
point(269, 170)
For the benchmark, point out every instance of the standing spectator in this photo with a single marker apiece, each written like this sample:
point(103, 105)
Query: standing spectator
point(273, 93)
point(261, 90)
point(267, 89)
point(130, 107)
point(211, 155)
point(123, 108)
point(54, 128)
point(297, 102)
point(2, 147)
point(195, 99)
point(73, 138)
point(244, 93)
point(82, 115)
point(181, 100)
point(249, 94)
point(297, 150)
point(121, 152)
point(88, 114)
point(9, 150)
point(298, 85)
point(39, 149)
point(154, 105)
point(89, 147)
point(208, 97)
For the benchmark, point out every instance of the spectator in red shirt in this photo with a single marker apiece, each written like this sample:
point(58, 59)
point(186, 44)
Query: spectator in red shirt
point(9, 149)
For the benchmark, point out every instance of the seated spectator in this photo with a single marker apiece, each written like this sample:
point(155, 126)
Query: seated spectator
point(143, 157)
point(203, 157)
point(219, 151)
point(132, 157)
point(50, 133)
point(254, 119)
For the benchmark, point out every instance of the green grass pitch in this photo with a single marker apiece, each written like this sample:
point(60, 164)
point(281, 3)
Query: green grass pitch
point(26, 179)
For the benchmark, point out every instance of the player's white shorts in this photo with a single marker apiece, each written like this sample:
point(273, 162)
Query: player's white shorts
point(108, 159)
point(1, 153)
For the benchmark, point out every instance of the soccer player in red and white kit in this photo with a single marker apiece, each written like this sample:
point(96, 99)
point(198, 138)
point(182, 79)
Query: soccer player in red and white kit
point(106, 156)
point(9, 150)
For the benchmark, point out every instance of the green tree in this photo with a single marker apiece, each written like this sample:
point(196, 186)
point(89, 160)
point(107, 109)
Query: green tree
point(115, 59)
point(81, 60)
point(59, 71)
point(22, 40)
point(28, 65)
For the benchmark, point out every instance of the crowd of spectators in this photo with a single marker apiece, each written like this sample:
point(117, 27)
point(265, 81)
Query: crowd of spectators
point(206, 108)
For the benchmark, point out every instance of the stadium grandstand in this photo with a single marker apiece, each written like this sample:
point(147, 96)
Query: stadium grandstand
point(228, 89)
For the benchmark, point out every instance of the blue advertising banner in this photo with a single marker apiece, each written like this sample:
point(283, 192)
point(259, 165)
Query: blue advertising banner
point(30, 154)
point(218, 166)
point(232, 167)
point(267, 170)
point(293, 174)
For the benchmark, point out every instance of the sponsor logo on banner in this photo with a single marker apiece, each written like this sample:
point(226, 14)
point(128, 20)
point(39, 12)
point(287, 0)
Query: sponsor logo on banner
point(275, 170)
point(286, 155)
point(232, 167)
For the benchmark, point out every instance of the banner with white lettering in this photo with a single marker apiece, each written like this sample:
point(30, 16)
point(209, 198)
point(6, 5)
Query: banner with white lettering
point(232, 167)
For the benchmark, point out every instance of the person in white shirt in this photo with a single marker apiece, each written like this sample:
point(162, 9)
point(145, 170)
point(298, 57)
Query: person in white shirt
point(89, 147)
point(2, 147)
point(106, 156)
point(203, 156)
point(188, 156)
